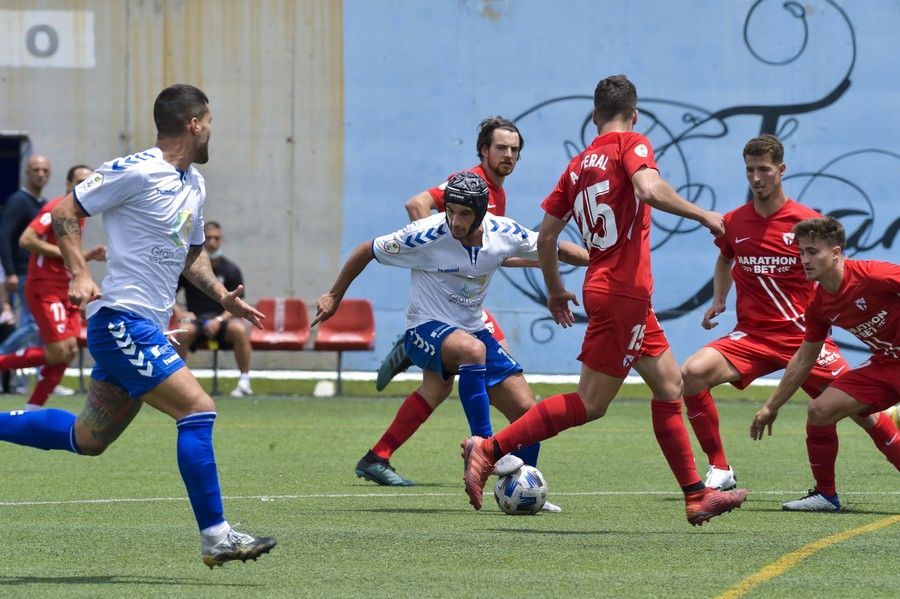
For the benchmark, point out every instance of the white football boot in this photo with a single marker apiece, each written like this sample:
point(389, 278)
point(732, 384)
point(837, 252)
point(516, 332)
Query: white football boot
point(813, 502)
point(507, 465)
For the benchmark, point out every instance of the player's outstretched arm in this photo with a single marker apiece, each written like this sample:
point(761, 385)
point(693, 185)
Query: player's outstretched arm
point(572, 253)
point(198, 270)
point(558, 297)
point(722, 282)
point(328, 303)
point(420, 206)
point(652, 189)
point(31, 241)
point(67, 229)
point(794, 374)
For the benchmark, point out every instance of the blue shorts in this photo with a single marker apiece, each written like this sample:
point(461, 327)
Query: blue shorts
point(423, 346)
point(130, 351)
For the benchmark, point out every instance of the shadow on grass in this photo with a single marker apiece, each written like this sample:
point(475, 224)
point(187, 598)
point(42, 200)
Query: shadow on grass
point(386, 488)
point(423, 511)
point(114, 579)
point(576, 533)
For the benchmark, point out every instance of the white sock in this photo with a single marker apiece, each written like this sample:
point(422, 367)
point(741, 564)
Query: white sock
point(216, 532)
point(244, 378)
point(30, 407)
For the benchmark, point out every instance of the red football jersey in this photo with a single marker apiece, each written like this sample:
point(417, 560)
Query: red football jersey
point(867, 304)
point(496, 195)
point(772, 290)
point(44, 269)
point(596, 189)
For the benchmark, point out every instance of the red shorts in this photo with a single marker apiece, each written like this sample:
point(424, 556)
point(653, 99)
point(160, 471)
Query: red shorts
point(754, 356)
point(620, 331)
point(56, 317)
point(876, 383)
point(492, 325)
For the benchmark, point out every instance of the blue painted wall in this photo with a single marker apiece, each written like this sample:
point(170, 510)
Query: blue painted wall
point(419, 76)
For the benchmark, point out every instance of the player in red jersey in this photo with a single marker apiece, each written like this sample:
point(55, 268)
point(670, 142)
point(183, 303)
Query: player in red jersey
point(499, 145)
point(609, 190)
point(861, 297)
point(47, 294)
point(759, 255)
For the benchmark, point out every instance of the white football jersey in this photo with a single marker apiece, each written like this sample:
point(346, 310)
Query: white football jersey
point(152, 213)
point(450, 280)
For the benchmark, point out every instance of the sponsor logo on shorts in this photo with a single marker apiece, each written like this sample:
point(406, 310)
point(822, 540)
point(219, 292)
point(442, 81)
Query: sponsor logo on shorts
point(392, 247)
point(736, 335)
point(170, 359)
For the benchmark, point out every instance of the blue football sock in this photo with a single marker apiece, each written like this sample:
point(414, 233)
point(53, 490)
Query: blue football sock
point(45, 429)
point(529, 454)
point(474, 398)
point(197, 463)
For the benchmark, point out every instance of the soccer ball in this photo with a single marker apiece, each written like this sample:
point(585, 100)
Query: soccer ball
point(893, 413)
point(521, 493)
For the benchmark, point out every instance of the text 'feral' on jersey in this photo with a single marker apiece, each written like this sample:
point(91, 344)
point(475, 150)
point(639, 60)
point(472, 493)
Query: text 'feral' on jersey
point(596, 190)
point(449, 280)
point(152, 213)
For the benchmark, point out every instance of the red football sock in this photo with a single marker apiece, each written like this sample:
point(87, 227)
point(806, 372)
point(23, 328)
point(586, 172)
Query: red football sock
point(887, 439)
point(48, 379)
point(672, 436)
point(822, 448)
point(545, 419)
point(704, 419)
point(412, 413)
point(30, 356)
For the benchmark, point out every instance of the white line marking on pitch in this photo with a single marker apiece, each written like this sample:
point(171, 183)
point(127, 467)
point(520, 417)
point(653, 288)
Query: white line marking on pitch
point(356, 495)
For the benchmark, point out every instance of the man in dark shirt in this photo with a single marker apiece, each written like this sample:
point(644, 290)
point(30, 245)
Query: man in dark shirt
point(19, 210)
point(204, 318)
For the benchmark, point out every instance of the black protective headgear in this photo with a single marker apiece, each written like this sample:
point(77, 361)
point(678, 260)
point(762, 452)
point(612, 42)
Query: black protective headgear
point(469, 190)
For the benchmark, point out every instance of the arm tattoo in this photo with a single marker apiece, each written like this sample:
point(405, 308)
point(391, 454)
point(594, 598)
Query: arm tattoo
point(66, 226)
point(198, 270)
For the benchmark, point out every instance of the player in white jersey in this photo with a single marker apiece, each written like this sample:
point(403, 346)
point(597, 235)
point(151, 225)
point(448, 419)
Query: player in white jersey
point(152, 204)
point(452, 257)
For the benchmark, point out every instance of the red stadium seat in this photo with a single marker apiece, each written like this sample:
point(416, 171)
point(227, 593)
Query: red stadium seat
point(286, 325)
point(352, 328)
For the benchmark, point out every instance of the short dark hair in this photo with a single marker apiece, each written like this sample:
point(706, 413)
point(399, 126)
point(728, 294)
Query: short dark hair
point(486, 132)
point(212, 224)
point(765, 144)
point(70, 175)
point(614, 97)
point(175, 106)
point(826, 229)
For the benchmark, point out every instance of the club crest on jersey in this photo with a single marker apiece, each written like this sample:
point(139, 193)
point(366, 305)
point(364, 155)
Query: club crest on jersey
point(860, 303)
point(788, 238)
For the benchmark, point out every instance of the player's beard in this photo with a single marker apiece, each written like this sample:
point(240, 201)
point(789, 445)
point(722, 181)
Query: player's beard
point(201, 156)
